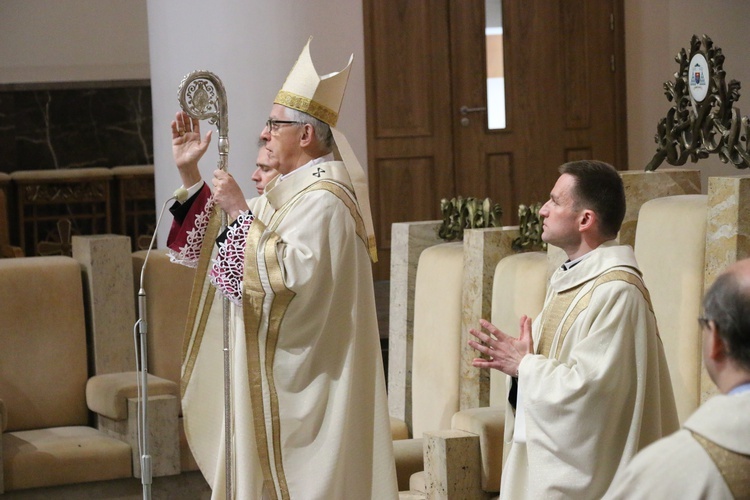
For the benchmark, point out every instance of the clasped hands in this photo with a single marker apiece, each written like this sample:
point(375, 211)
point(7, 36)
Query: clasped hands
point(504, 353)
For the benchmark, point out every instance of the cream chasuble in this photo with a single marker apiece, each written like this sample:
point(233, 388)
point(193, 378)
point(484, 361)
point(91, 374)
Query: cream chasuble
point(708, 458)
point(598, 389)
point(309, 401)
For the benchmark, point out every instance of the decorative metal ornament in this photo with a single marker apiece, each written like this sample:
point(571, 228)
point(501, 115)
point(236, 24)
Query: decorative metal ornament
point(703, 119)
point(202, 97)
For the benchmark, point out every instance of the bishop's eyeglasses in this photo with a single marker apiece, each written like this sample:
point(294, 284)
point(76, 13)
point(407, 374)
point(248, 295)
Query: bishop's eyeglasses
point(273, 125)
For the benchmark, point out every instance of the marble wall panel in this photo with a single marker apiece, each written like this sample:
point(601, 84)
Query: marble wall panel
point(727, 238)
point(642, 186)
point(101, 124)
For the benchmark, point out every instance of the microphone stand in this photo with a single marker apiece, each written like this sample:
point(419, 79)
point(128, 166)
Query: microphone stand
point(202, 97)
point(142, 361)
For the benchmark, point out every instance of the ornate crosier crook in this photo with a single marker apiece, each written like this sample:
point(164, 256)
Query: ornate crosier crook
point(202, 97)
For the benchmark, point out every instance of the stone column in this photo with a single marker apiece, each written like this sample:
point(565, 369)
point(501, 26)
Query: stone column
point(727, 237)
point(110, 300)
point(483, 249)
point(251, 46)
point(642, 186)
point(408, 239)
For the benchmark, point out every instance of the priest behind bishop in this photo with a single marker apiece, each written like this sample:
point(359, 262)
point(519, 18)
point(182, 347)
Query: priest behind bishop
point(309, 406)
point(710, 456)
point(588, 379)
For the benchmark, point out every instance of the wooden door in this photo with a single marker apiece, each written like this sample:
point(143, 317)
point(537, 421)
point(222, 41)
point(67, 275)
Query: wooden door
point(426, 59)
point(410, 137)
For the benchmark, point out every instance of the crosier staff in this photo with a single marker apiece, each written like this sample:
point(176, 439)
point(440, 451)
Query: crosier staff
point(202, 96)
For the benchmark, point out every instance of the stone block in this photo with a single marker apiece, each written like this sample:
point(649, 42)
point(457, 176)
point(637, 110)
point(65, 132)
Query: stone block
point(110, 300)
point(452, 465)
point(483, 249)
point(642, 186)
point(163, 434)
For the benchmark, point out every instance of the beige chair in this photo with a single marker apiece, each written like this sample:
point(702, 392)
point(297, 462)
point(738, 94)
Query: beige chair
point(168, 288)
point(670, 243)
point(518, 288)
point(47, 439)
point(436, 352)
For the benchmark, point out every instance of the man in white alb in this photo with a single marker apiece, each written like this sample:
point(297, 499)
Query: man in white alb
point(710, 456)
point(589, 384)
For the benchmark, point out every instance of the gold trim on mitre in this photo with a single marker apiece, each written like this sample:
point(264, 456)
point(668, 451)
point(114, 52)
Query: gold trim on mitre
point(318, 96)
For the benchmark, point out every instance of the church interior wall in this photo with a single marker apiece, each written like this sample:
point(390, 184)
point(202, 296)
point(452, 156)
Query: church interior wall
point(655, 31)
point(65, 45)
point(49, 42)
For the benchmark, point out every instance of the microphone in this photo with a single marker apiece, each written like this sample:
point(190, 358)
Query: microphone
point(181, 196)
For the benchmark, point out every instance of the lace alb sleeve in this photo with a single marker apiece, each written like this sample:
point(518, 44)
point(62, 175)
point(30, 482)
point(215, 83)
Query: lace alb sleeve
point(229, 264)
point(188, 254)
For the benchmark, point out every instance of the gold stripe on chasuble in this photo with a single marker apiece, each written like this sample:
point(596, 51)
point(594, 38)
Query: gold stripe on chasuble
point(253, 310)
point(563, 301)
point(553, 315)
point(253, 297)
point(282, 298)
point(202, 292)
point(342, 195)
point(607, 277)
point(734, 467)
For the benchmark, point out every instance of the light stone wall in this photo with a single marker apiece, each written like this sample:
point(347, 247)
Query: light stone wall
point(727, 238)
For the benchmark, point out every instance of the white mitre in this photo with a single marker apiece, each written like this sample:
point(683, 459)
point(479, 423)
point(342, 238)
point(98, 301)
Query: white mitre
point(321, 97)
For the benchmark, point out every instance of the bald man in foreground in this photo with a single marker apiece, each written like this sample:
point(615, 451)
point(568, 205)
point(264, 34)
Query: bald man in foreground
point(710, 456)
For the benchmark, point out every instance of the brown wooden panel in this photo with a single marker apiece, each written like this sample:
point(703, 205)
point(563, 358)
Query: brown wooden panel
point(500, 184)
point(408, 78)
point(575, 70)
point(575, 154)
point(402, 49)
point(407, 193)
point(425, 59)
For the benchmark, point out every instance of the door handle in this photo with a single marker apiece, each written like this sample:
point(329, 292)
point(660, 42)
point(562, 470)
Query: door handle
point(465, 110)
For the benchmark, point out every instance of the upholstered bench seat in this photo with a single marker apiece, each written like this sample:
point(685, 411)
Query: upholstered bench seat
point(437, 337)
point(437, 350)
point(518, 287)
point(489, 424)
point(62, 455)
point(670, 245)
point(409, 455)
point(46, 439)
